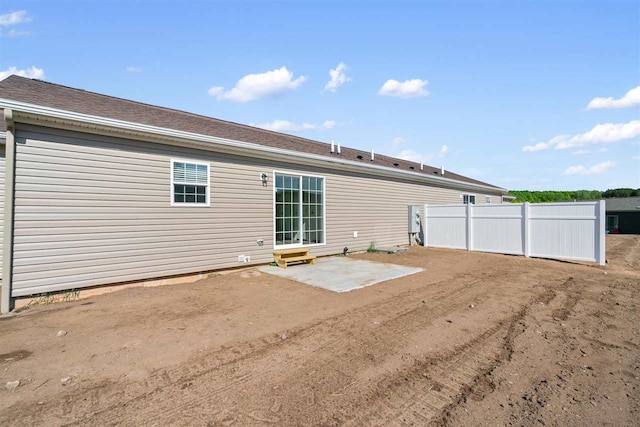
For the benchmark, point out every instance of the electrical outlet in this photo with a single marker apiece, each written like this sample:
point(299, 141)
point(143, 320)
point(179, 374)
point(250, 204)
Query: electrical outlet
point(355, 234)
point(241, 258)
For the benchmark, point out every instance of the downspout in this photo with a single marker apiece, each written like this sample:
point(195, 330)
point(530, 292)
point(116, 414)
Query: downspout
point(7, 302)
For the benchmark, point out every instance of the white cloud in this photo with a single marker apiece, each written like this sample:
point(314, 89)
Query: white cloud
point(538, 147)
point(579, 152)
point(287, 126)
point(603, 150)
point(31, 73)
point(593, 170)
point(407, 89)
point(603, 133)
point(398, 140)
point(17, 33)
point(254, 86)
point(338, 77)
point(629, 100)
point(414, 156)
point(14, 18)
point(134, 69)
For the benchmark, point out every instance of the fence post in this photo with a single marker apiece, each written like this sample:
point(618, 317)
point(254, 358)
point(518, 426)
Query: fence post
point(601, 216)
point(469, 214)
point(525, 228)
point(425, 231)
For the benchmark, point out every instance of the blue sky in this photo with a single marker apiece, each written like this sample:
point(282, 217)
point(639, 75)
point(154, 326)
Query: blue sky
point(504, 92)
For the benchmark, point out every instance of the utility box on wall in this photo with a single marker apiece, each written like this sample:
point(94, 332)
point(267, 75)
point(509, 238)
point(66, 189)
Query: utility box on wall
point(414, 219)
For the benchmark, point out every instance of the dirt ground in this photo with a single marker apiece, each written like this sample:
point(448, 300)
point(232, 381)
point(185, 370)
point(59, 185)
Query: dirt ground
point(475, 339)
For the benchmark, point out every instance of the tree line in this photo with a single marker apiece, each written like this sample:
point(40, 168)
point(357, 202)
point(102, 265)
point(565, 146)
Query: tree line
point(559, 196)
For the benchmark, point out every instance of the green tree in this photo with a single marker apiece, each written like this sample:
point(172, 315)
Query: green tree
point(554, 196)
point(621, 192)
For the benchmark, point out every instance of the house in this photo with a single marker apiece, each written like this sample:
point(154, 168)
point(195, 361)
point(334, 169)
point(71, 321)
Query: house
point(101, 190)
point(623, 215)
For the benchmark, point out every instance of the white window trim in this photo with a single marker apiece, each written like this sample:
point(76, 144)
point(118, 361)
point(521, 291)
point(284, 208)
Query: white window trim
point(469, 194)
point(207, 197)
point(487, 200)
point(324, 209)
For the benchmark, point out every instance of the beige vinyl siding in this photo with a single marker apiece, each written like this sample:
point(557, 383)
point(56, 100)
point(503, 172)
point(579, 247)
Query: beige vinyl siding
point(482, 199)
point(2, 166)
point(93, 210)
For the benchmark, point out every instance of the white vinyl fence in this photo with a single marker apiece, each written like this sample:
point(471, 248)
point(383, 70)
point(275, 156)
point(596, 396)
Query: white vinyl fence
point(571, 231)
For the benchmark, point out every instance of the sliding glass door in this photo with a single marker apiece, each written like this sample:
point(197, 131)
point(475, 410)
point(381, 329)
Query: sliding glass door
point(299, 210)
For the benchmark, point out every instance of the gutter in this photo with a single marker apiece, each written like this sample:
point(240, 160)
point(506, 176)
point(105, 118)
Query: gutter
point(39, 115)
point(7, 300)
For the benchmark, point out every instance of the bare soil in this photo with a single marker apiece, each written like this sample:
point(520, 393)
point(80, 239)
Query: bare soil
point(475, 339)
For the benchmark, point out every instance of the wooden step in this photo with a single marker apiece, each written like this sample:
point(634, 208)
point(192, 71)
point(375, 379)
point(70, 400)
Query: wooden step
point(299, 258)
point(282, 262)
point(291, 251)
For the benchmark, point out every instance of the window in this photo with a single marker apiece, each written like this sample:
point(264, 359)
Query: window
point(299, 210)
point(487, 200)
point(189, 183)
point(612, 223)
point(469, 199)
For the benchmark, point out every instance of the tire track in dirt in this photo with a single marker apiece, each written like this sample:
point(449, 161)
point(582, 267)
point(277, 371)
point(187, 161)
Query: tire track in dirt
point(624, 254)
point(433, 386)
point(538, 398)
point(227, 367)
point(482, 382)
point(349, 354)
point(632, 254)
point(324, 353)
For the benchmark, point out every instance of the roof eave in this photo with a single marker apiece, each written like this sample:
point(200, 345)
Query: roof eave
point(39, 115)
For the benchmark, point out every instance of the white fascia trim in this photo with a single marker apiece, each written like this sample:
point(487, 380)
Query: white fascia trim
point(27, 111)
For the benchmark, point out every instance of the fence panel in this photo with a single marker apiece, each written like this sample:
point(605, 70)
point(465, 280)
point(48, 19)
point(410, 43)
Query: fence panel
point(446, 226)
point(498, 228)
point(563, 230)
point(573, 231)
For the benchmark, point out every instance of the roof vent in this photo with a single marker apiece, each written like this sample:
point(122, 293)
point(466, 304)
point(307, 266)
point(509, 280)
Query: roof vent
point(339, 150)
point(373, 156)
point(333, 147)
point(442, 171)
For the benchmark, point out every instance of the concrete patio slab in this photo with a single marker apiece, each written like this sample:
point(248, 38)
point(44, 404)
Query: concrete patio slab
point(341, 274)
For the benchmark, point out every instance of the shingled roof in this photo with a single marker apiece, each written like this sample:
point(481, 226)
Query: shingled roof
point(61, 97)
point(622, 204)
